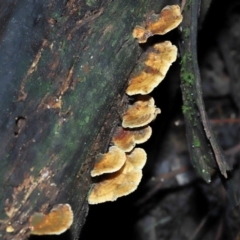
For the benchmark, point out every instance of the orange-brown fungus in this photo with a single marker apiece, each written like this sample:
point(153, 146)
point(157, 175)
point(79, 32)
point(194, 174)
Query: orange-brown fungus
point(159, 24)
point(125, 172)
point(137, 158)
point(157, 64)
point(9, 229)
point(120, 183)
point(109, 162)
point(141, 34)
point(142, 134)
point(56, 222)
point(141, 113)
point(126, 139)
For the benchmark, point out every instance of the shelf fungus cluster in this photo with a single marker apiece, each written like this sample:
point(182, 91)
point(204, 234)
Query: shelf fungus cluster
point(121, 167)
point(159, 24)
point(56, 222)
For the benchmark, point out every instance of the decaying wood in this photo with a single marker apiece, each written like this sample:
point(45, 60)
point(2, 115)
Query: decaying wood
point(64, 67)
point(204, 149)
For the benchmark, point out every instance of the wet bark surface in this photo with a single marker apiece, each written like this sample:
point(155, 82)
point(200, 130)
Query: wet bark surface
point(64, 68)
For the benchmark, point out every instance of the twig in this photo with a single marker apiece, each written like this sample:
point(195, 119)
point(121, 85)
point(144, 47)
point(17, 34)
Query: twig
point(225, 120)
point(222, 163)
point(234, 150)
point(160, 180)
point(200, 226)
point(183, 3)
point(219, 230)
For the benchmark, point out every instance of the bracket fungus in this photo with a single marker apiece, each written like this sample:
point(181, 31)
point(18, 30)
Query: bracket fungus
point(157, 65)
point(122, 182)
point(126, 139)
point(109, 162)
point(142, 134)
point(56, 222)
point(124, 173)
point(9, 229)
point(141, 113)
point(159, 24)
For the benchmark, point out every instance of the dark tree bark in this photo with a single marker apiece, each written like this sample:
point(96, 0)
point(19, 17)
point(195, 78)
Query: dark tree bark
point(205, 152)
point(64, 67)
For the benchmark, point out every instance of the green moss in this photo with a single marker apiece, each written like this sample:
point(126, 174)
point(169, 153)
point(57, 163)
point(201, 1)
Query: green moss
point(114, 42)
point(188, 83)
point(196, 142)
point(186, 32)
point(187, 76)
point(90, 3)
point(186, 57)
point(55, 15)
point(187, 6)
point(58, 17)
point(87, 119)
point(56, 129)
point(64, 48)
point(187, 110)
